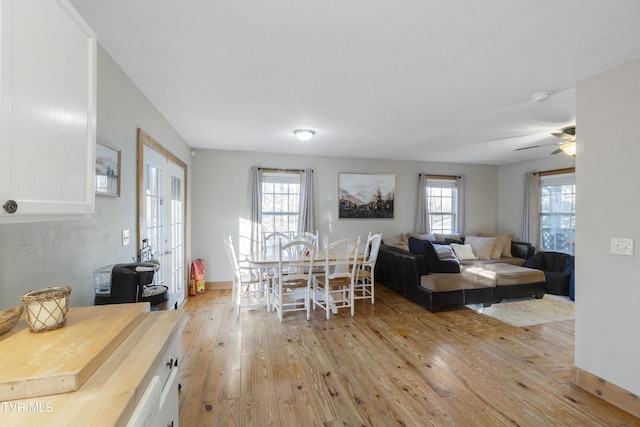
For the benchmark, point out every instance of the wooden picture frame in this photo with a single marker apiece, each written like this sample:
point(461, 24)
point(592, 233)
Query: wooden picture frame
point(107, 179)
point(366, 195)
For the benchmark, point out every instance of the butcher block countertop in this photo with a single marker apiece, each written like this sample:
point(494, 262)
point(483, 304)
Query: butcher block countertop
point(111, 370)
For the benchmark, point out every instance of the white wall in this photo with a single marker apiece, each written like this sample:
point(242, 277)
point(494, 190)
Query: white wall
point(608, 205)
point(221, 197)
point(38, 255)
point(511, 189)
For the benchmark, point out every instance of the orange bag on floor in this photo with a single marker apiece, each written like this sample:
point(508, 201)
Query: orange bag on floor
point(196, 282)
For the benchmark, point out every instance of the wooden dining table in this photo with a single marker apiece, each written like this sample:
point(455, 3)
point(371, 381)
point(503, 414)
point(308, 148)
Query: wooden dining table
point(268, 258)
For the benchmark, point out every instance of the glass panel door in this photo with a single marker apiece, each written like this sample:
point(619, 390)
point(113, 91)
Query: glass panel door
point(162, 220)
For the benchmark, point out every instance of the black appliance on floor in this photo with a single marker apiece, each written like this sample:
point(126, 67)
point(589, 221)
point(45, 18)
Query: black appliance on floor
point(127, 283)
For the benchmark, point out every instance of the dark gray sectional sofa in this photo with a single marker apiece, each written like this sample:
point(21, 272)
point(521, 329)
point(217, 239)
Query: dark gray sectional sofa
point(409, 274)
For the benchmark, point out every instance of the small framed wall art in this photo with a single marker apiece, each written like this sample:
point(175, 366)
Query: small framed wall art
point(107, 170)
point(366, 195)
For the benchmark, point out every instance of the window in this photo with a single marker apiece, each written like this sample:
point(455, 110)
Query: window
point(280, 202)
point(442, 202)
point(557, 212)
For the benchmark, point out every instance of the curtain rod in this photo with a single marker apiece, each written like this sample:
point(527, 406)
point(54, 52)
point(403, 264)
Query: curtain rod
point(451, 177)
point(281, 170)
point(556, 171)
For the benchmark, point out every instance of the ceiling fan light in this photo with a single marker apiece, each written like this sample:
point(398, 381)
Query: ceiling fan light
point(304, 134)
point(569, 148)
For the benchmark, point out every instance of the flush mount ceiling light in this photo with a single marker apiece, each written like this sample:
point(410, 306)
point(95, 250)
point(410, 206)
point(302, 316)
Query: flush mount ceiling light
point(304, 134)
point(541, 96)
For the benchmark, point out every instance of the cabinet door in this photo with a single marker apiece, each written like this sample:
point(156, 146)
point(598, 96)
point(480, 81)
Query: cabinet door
point(47, 110)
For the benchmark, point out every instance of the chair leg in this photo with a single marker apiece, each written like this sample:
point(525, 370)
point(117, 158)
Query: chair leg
point(307, 301)
point(352, 298)
point(326, 300)
point(373, 292)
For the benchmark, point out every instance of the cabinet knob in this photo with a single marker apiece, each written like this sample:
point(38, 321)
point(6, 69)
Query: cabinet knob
point(11, 206)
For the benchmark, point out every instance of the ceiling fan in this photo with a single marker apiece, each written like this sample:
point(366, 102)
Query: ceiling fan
point(568, 145)
point(569, 135)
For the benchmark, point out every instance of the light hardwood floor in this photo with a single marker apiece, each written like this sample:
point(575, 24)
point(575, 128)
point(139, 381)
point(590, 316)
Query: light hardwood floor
point(393, 364)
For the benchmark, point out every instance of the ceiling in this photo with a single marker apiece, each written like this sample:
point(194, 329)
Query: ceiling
point(426, 80)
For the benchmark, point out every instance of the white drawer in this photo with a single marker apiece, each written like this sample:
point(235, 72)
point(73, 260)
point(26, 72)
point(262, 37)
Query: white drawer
point(158, 406)
point(168, 363)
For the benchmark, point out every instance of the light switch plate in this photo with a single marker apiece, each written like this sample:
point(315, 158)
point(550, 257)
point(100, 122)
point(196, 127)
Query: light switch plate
point(125, 237)
point(621, 246)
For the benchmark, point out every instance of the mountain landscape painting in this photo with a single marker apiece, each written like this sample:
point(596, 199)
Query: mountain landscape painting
point(366, 195)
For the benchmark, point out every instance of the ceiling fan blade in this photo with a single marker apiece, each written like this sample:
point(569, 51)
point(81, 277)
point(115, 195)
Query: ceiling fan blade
point(562, 135)
point(535, 146)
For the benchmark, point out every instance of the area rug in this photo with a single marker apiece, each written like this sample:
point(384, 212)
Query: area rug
point(529, 312)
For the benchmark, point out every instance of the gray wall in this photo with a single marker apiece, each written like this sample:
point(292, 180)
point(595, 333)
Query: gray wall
point(608, 205)
point(221, 198)
point(58, 253)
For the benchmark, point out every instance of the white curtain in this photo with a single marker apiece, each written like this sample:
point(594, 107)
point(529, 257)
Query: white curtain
point(307, 221)
point(421, 225)
point(460, 180)
point(531, 209)
point(256, 208)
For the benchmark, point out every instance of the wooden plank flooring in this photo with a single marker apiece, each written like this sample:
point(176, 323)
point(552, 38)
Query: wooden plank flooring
point(393, 364)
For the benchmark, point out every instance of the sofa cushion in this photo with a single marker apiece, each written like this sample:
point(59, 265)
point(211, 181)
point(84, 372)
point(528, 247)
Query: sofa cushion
point(482, 246)
point(431, 237)
point(505, 238)
point(445, 252)
point(428, 252)
point(463, 252)
point(506, 274)
point(455, 282)
point(443, 237)
point(400, 242)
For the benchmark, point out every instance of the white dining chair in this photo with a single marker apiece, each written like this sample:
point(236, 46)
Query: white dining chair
point(333, 289)
point(307, 236)
point(364, 287)
point(292, 286)
point(272, 241)
point(248, 288)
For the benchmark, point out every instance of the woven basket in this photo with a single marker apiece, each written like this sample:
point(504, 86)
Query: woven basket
point(46, 309)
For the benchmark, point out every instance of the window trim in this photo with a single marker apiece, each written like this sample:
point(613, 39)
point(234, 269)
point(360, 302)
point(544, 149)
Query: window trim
point(541, 214)
point(454, 202)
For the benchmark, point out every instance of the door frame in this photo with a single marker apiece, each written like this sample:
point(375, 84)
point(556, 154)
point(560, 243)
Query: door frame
point(146, 140)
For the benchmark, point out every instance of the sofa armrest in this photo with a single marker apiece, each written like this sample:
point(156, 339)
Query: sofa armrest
point(522, 250)
point(400, 270)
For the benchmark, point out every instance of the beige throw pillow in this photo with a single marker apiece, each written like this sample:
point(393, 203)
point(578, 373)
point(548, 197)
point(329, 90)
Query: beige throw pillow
point(482, 246)
point(397, 242)
point(463, 252)
point(505, 238)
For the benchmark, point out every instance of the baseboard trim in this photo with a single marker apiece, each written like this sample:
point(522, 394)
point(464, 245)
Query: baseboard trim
point(210, 286)
point(607, 391)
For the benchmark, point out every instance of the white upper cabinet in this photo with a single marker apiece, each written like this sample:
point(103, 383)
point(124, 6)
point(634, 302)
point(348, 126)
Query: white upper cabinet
point(47, 111)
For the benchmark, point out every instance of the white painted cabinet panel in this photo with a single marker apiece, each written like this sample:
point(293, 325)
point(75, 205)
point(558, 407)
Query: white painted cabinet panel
point(47, 110)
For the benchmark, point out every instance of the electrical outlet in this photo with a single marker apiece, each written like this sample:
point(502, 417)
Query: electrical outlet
point(621, 246)
point(125, 237)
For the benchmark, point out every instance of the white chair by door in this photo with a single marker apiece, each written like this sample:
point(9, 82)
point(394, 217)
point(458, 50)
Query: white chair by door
point(291, 290)
point(365, 281)
point(333, 289)
point(248, 288)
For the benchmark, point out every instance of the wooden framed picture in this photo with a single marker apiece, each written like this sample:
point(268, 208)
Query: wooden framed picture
point(107, 170)
point(366, 195)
